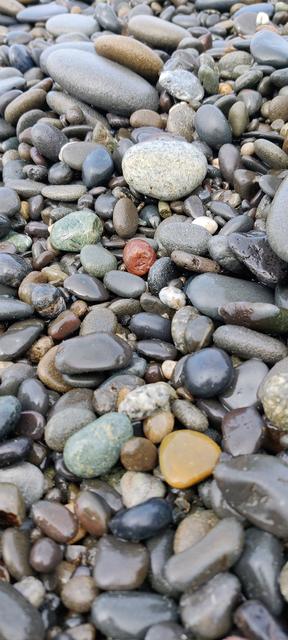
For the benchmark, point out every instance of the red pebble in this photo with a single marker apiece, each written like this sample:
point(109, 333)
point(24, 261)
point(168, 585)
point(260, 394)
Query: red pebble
point(138, 257)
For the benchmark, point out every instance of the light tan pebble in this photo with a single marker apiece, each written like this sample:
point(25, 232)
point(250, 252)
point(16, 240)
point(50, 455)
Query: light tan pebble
point(54, 273)
point(247, 149)
point(39, 348)
point(158, 426)
point(277, 125)
point(143, 402)
point(207, 223)
point(137, 487)
point(173, 297)
point(225, 88)
point(164, 209)
point(80, 308)
point(284, 130)
point(167, 368)
point(145, 118)
point(84, 631)
point(25, 210)
point(32, 589)
point(193, 528)
point(79, 593)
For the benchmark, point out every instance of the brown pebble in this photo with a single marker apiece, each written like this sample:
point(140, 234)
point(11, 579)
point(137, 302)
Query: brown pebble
point(125, 218)
point(49, 375)
point(139, 454)
point(120, 564)
point(194, 263)
point(64, 325)
point(93, 513)
point(145, 118)
point(54, 520)
point(40, 348)
point(45, 555)
point(158, 426)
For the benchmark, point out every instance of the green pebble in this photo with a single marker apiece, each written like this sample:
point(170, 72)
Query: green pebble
point(20, 241)
point(95, 449)
point(76, 230)
point(97, 260)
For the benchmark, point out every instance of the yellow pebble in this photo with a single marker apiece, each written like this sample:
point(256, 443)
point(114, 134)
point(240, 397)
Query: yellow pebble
point(186, 457)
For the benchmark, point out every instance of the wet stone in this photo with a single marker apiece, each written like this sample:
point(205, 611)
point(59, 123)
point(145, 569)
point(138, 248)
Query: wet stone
point(244, 389)
point(10, 410)
point(186, 457)
point(120, 564)
point(252, 617)
point(96, 260)
point(243, 431)
point(15, 551)
point(255, 253)
point(86, 287)
point(247, 343)
point(193, 528)
point(20, 615)
point(93, 513)
point(123, 284)
point(79, 593)
point(54, 520)
point(45, 555)
point(102, 352)
point(12, 508)
point(75, 230)
point(142, 521)
point(208, 372)
point(64, 423)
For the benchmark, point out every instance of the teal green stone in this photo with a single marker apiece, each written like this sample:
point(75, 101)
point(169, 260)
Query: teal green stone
point(20, 241)
point(97, 260)
point(75, 230)
point(95, 449)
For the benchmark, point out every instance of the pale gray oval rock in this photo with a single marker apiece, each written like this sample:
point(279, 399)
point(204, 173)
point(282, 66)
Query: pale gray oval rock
point(28, 478)
point(182, 84)
point(101, 82)
point(246, 343)
point(183, 236)
point(41, 12)
point(164, 169)
point(156, 32)
point(64, 423)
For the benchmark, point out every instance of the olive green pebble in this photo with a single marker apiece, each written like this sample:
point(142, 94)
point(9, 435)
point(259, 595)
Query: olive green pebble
point(96, 260)
point(75, 230)
point(95, 449)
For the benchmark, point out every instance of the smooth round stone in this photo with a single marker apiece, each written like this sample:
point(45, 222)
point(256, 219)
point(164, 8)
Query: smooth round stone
point(19, 337)
point(169, 630)
point(142, 521)
point(262, 547)
point(238, 118)
point(40, 12)
point(139, 454)
point(108, 494)
point(130, 53)
point(71, 23)
point(193, 528)
point(74, 153)
point(247, 379)
point(5, 225)
point(156, 350)
point(93, 513)
point(138, 257)
point(269, 48)
point(64, 325)
point(138, 487)
point(97, 167)
point(76, 230)
point(97, 260)
point(64, 423)
point(125, 218)
point(13, 269)
point(216, 552)
point(186, 457)
point(13, 451)
point(86, 287)
point(18, 614)
point(45, 555)
point(120, 564)
point(47, 301)
point(15, 552)
point(150, 325)
point(28, 478)
point(278, 106)
point(208, 612)
point(111, 613)
point(123, 284)
point(54, 520)
point(65, 192)
point(48, 140)
point(10, 410)
point(32, 589)
point(95, 449)
point(182, 84)
point(183, 236)
point(79, 593)
point(243, 431)
point(247, 343)
point(155, 32)
point(277, 222)
point(33, 396)
point(25, 188)
point(100, 82)
point(208, 372)
point(271, 154)
point(212, 126)
point(9, 202)
point(225, 290)
point(21, 242)
point(93, 353)
point(164, 169)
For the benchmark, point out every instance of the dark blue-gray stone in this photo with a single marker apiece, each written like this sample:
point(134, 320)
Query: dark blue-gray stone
point(18, 617)
point(97, 167)
point(212, 126)
point(143, 521)
point(208, 372)
point(95, 352)
point(10, 410)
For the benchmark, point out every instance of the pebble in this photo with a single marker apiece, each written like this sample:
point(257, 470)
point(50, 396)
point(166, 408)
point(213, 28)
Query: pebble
point(243, 391)
point(120, 564)
point(183, 236)
point(124, 284)
point(125, 218)
point(70, 23)
point(157, 426)
point(252, 616)
point(45, 555)
point(54, 520)
point(63, 424)
point(155, 168)
point(138, 256)
point(28, 478)
point(97, 167)
point(75, 230)
point(18, 614)
point(182, 84)
point(269, 49)
point(212, 126)
point(193, 528)
point(79, 593)
point(208, 372)
point(130, 53)
point(243, 431)
point(107, 79)
point(99, 353)
point(10, 410)
point(143, 402)
point(276, 222)
point(139, 454)
point(95, 449)
point(32, 589)
point(247, 343)
point(186, 457)
point(156, 32)
point(137, 487)
point(142, 521)
point(273, 395)
point(173, 297)
point(96, 260)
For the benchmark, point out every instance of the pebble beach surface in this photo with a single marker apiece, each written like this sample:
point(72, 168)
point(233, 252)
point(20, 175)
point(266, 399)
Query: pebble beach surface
point(143, 320)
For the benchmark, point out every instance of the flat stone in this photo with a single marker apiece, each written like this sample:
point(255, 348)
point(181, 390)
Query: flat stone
point(65, 192)
point(48, 140)
point(208, 372)
point(14, 310)
point(207, 613)
point(19, 337)
point(216, 552)
point(92, 353)
point(193, 528)
point(225, 290)
point(26, 188)
point(111, 613)
point(156, 168)
point(246, 479)
point(9, 202)
point(182, 84)
point(63, 424)
point(120, 564)
point(95, 449)
point(155, 32)
point(271, 154)
point(61, 102)
point(186, 457)
point(40, 12)
point(13, 269)
point(33, 99)
point(97, 260)
point(93, 513)
point(100, 82)
point(212, 126)
point(54, 520)
point(28, 478)
point(76, 230)
point(277, 222)
point(18, 614)
point(49, 375)
point(130, 53)
point(254, 251)
point(252, 617)
point(85, 287)
point(123, 284)
point(269, 48)
point(71, 23)
point(183, 236)
point(243, 431)
point(247, 343)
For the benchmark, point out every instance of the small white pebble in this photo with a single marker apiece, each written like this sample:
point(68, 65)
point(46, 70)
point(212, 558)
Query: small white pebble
point(207, 223)
point(262, 18)
point(172, 297)
point(137, 487)
point(167, 368)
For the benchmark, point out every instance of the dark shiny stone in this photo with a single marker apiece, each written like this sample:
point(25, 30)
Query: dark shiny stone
point(11, 309)
point(157, 350)
point(243, 431)
point(256, 254)
point(93, 353)
point(31, 424)
point(104, 205)
point(14, 451)
point(124, 284)
point(48, 301)
point(19, 57)
point(239, 224)
point(212, 126)
point(45, 555)
point(48, 140)
point(54, 520)
point(111, 613)
point(86, 287)
point(257, 623)
point(60, 173)
point(244, 388)
point(160, 549)
point(17, 614)
point(255, 485)
point(120, 564)
point(97, 167)
point(229, 161)
point(33, 396)
point(105, 491)
point(18, 338)
point(12, 269)
point(261, 549)
point(5, 225)
point(15, 553)
point(12, 376)
point(160, 274)
point(10, 409)
point(143, 521)
point(151, 325)
point(214, 411)
point(208, 372)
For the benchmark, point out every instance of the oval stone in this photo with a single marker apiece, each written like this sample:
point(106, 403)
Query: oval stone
point(165, 169)
point(75, 230)
point(277, 222)
point(187, 457)
point(94, 352)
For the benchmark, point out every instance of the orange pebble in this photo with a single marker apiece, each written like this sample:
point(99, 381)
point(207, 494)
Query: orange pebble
point(186, 457)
